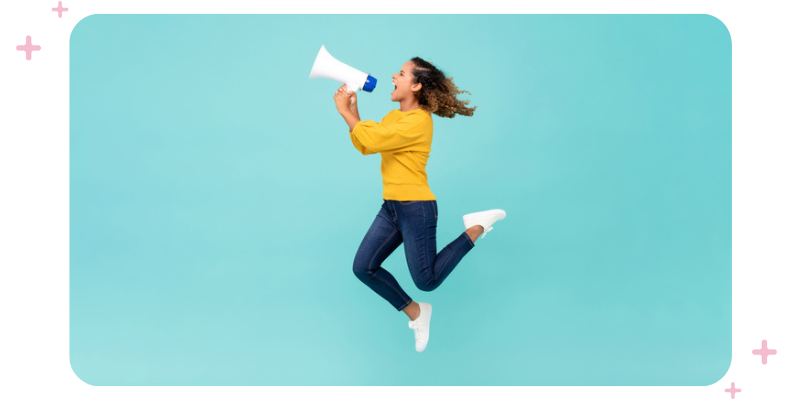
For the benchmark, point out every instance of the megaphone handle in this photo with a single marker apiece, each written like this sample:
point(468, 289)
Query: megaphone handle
point(351, 88)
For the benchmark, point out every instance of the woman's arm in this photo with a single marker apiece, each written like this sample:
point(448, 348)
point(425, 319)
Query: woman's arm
point(406, 132)
point(343, 105)
point(354, 105)
point(351, 119)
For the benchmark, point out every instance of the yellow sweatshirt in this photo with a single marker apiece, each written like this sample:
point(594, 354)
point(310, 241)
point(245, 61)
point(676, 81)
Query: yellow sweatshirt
point(404, 140)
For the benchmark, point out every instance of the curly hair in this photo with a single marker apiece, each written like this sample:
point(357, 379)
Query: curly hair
point(438, 93)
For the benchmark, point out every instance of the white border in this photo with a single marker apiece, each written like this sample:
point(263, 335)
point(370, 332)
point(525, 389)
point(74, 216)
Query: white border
point(34, 197)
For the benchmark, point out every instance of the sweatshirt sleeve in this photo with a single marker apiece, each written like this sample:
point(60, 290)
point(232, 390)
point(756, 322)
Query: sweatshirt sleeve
point(406, 132)
point(360, 147)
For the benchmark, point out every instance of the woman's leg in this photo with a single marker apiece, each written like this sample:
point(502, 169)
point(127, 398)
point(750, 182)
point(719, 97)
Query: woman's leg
point(382, 238)
point(417, 221)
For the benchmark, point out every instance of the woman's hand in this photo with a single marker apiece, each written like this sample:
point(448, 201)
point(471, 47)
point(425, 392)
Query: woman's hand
point(347, 106)
point(342, 100)
point(352, 104)
point(353, 99)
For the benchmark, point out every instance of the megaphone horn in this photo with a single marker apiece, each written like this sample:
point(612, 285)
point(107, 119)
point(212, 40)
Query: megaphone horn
point(325, 66)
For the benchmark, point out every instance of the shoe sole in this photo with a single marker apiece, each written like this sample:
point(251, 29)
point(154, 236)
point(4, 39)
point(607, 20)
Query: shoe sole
point(485, 213)
point(430, 315)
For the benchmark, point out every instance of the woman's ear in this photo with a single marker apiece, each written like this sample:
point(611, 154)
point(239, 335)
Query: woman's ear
point(416, 87)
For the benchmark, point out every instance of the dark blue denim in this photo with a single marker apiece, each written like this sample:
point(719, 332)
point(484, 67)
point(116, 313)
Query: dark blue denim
point(414, 224)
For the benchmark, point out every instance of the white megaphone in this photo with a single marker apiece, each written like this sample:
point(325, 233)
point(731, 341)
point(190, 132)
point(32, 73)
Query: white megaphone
point(325, 66)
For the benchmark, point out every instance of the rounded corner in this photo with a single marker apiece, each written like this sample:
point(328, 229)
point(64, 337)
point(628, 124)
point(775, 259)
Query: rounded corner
point(78, 24)
point(728, 31)
point(77, 375)
point(724, 373)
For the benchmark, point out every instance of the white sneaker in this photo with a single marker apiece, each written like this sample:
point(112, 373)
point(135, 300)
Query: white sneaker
point(421, 326)
point(484, 219)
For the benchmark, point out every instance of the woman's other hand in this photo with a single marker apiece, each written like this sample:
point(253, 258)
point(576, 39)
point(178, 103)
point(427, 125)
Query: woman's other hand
point(342, 100)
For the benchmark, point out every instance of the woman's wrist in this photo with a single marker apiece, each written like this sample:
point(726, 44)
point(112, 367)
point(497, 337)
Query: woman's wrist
point(344, 109)
point(351, 119)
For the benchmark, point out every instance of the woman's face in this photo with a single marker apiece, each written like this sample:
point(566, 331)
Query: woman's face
point(404, 83)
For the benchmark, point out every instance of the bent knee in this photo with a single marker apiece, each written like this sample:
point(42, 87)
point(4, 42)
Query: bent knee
point(425, 286)
point(361, 269)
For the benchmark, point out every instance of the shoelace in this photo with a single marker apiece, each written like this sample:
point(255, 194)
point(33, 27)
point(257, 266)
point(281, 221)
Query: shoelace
point(413, 325)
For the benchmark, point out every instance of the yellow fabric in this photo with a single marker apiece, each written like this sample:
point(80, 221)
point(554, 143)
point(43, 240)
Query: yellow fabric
point(403, 138)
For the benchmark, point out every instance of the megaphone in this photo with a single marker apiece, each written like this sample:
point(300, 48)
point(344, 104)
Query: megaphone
point(325, 66)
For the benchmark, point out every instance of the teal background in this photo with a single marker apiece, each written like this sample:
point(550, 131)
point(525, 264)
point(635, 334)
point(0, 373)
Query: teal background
point(216, 201)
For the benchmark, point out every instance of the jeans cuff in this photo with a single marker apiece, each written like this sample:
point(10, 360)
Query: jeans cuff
point(471, 243)
point(404, 305)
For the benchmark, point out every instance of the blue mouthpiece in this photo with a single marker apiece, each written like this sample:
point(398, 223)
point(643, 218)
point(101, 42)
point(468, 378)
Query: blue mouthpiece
point(370, 83)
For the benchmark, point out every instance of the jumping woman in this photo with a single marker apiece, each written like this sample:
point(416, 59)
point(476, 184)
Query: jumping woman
point(409, 212)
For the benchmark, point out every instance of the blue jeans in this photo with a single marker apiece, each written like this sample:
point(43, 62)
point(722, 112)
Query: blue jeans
point(412, 223)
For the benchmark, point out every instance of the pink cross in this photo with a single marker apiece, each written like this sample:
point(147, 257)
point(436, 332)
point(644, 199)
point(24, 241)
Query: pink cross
point(60, 10)
point(764, 352)
point(28, 48)
point(733, 390)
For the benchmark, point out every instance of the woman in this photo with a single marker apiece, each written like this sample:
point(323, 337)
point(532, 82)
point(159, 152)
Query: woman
point(409, 212)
